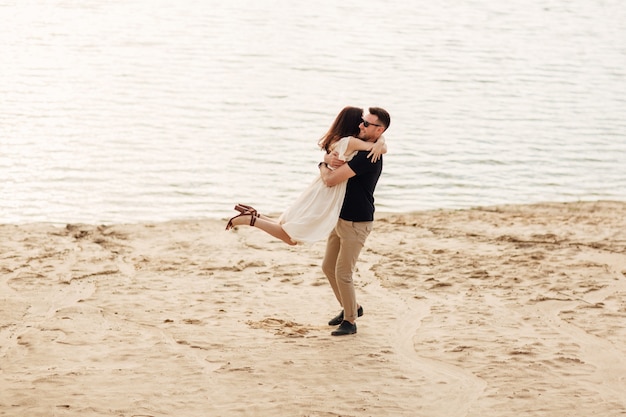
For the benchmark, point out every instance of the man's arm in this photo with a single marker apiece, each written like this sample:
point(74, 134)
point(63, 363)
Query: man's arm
point(333, 161)
point(336, 176)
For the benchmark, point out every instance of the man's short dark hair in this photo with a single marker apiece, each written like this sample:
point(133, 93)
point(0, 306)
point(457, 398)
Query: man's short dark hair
point(382, 115)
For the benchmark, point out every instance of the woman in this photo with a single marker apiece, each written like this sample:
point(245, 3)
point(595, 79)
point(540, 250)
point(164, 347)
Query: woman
point(314, 214)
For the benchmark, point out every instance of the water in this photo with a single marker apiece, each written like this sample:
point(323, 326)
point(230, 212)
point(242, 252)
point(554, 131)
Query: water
point(137, 110)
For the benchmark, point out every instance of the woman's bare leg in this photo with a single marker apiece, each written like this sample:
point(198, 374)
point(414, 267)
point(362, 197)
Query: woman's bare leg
point(267, 224)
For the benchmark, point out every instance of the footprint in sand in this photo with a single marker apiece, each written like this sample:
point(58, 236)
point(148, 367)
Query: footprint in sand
point(281, 327)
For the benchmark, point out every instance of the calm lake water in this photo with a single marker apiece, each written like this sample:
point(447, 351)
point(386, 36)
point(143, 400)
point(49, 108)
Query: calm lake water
point(149, 110)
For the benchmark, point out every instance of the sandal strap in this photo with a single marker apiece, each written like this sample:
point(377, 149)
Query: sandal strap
point(244, 209)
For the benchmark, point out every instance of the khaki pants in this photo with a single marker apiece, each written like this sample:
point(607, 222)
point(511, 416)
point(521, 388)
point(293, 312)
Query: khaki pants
point(342, 251)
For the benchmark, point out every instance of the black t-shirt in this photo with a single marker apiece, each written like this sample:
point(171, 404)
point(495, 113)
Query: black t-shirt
point(358, 205)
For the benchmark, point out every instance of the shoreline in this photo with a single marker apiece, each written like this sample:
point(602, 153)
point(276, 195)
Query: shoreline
point(500, 310)
point(224, 213)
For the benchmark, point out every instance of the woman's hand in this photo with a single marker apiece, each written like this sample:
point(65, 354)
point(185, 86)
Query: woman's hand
point(379, 148)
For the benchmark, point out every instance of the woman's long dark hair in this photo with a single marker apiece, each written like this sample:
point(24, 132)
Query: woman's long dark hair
point(346, 124)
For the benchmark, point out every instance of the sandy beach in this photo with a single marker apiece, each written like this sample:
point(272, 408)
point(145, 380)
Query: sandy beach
point(494, 311)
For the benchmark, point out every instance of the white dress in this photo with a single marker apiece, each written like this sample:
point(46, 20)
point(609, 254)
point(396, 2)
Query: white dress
point(315, 213)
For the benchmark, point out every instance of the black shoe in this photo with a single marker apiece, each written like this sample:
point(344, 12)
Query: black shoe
point(345, 328)
point(336, 321)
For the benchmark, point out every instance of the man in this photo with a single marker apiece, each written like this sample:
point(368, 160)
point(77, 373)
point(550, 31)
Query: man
point(355, 220)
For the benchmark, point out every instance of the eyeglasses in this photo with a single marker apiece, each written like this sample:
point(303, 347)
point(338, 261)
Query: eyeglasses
point(367, 124)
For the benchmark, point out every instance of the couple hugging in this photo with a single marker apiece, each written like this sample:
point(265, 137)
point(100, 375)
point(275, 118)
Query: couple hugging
point(337, 206)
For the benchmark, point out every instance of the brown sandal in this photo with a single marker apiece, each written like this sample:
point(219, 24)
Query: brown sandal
point(242, 208)
point(253, 217)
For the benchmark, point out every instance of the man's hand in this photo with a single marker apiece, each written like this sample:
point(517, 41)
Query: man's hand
point(332, 177)
point(333, 161)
